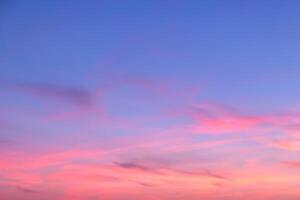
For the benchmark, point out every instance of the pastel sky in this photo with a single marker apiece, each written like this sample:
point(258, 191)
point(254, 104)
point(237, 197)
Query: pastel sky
point(149, 100)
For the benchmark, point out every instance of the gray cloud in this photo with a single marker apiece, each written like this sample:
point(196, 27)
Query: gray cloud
point(26, 190)
point(71, 94)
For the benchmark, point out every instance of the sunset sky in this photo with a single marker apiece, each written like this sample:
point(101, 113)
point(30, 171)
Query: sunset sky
point(149, 100)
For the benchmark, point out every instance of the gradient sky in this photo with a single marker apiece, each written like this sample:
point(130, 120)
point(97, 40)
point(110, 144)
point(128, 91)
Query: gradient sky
point(151, 100)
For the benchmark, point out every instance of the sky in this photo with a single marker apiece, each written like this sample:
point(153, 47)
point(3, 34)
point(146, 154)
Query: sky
point(152, 100)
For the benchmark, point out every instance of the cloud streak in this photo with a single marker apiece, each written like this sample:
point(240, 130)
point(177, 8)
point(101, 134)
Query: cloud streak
point(74, 95)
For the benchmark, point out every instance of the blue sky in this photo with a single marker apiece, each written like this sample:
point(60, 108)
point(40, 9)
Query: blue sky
point(242, 50)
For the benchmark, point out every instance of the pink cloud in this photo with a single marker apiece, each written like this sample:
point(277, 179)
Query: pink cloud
point(292, 164)
point(214, 118)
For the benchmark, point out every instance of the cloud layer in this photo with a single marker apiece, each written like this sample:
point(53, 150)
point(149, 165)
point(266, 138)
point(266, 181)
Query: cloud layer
point(186, 149)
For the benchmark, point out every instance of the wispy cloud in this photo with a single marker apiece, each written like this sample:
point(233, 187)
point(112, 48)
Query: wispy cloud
point(27, 190)
point(131, 165)
point(166, 170)
point(217, 118)
point(70, 94)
